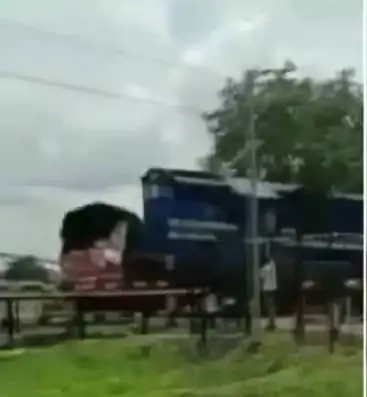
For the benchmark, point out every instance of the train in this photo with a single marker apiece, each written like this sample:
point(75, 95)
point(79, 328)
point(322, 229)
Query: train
point(193, 233)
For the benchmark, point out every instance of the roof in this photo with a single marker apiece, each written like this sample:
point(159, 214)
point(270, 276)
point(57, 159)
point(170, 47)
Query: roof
point(276, 188)
point(178, 173)
point(192, 174)
point(184, 176)
point(243, 186)
point(285, 187)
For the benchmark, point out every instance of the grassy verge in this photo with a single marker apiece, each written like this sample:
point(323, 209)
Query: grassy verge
point(138, 366)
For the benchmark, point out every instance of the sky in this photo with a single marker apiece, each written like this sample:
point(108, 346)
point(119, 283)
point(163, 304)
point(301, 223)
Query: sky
point(130, 80)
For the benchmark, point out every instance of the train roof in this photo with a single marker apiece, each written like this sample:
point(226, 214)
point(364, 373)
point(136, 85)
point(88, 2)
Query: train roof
point(241, 186)
point(183, 176)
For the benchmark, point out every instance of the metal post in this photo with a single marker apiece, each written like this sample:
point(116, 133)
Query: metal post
point(10, 320)
point(252, 218)
point(252, 226)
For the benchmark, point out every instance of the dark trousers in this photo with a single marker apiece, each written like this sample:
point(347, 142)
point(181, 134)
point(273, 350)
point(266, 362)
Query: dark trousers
point(270, 308)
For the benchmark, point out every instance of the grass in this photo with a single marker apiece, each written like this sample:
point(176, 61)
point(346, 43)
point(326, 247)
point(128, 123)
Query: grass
point(147, 367)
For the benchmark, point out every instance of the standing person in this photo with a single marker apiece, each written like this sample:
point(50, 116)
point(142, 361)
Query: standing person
point(269, 288)
point(211, 307)
point(171, 305)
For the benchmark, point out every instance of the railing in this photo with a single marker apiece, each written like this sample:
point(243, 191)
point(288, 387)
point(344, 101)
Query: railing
point(121, 300)
point(198, 309)
point(337, 307)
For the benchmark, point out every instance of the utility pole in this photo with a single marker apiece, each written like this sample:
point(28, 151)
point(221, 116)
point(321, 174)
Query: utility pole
point(252, 233)
point(249, 152)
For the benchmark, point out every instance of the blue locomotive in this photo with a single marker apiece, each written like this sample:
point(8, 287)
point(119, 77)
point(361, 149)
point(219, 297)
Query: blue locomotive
point(200, 219)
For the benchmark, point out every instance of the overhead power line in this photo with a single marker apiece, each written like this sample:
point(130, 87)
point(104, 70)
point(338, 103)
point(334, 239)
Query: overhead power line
point(57, 84)
point(104, 47)
point(92, 91)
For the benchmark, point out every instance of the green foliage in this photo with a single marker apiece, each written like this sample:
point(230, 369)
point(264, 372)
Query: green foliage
point(309, 132)
point(26, 268)
point(151, 367)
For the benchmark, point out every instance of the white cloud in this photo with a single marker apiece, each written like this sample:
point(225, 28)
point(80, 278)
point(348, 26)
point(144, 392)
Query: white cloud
point(61, 148)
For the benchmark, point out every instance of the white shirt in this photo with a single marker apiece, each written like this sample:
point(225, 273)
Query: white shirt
point(269, 277)
point(211, 303)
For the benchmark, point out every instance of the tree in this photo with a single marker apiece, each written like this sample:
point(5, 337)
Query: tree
point(26, 268)
point(308, 132)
